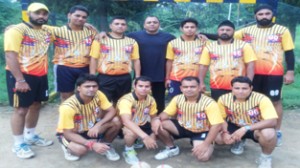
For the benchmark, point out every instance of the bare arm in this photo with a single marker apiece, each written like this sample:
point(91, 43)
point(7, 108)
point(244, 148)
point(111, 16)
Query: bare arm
point(14, 67)
point(203, 70)
point(250, 70)
point(137, 67)
point(168, 72)
point(93, 65)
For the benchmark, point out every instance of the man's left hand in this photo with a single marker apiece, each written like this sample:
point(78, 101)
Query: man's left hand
point(288, 78)
point(238, 134)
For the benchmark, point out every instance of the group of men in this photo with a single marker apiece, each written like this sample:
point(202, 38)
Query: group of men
point(98, 71)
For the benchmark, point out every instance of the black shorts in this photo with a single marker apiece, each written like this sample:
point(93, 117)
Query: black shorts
point(66, 77)
point(184, 133)
point(65, 142)
point(268, 85)
point(249, 134)
point(216, 93)
point(146, 128)
point(38, 92)
point(114, 86)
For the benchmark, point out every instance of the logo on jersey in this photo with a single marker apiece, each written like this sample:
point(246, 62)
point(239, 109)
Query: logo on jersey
point(60, 42)
point(274, 38)
point(198, 50)
point(29, 41)
point(248, 38)
point(105, 49)
point(88, 41)
point(214, 56)
point(128, 49)
point(237, 54)
point(176, 51)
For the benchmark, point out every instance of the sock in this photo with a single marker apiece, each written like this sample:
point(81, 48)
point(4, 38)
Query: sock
point(171, 147)
point(128, 148)
point(265, 155)
point(19, 139)
point(29, 133)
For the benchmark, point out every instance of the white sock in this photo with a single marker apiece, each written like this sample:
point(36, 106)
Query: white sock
point(19, 139)
point(29, 133)
point(265, 155)
point(127, 148)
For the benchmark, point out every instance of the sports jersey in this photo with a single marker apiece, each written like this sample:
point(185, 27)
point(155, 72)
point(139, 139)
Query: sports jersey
point(74, 114)
point(226, 62)
point(269, 45)
point(139, 110)
point(185, 56)
point(32, 47)
point(256, 108)
point(115, 55)
point(72, 48)
point(196, 117)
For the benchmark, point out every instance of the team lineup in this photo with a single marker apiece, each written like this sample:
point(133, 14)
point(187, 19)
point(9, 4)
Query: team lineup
point(113, 85)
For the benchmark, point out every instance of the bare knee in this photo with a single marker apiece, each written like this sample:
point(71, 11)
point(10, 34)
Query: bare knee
point(77, 149)
point(21, 111)
point(117, 123)
point(266, 135)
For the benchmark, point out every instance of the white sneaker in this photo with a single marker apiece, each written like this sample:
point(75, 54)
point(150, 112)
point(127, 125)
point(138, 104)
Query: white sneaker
point(166, 153)
point(23, 151)
point(238, 147)
point(38, 141)
point(68, 155)
point(111, 154)
point(130, 157)
point(264, 162)
point(138, 144)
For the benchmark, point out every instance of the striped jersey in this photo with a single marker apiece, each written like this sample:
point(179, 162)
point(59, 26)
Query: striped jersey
point(256, 108)
point(185, 56)
point(115, 55)
point(226, 62)
point(140, 110)
point(74, 114)
point(196, 117)
point(269, 45)
point(72, 48)
point(32, 47)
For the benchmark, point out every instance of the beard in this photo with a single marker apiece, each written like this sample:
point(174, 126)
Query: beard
point(264, 22)
point(38, 22)
point(225, 37)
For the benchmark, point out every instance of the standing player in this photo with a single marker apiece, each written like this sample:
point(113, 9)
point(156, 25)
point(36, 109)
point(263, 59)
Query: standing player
point(72, 48)
point(153, 47)
point(136, 110)
point(183, 56)
point(197, 117)
point(112, 57)
point(225, 58)
point(87, 121)
point(249, 115)
point(26, 46)
point(270, 42)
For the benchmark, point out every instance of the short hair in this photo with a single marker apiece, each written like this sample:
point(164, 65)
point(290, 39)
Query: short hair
point(86, 77)
point(118, 17)
point(80, 8)
point(191, 78)
point(241, 79)
point(187, 21)
point(151, 16)
point(142, 78)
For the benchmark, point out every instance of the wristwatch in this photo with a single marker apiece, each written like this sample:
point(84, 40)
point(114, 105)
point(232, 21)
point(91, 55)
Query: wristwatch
point(248, 127)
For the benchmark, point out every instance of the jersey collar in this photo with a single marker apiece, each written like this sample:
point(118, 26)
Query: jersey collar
point(79, 98)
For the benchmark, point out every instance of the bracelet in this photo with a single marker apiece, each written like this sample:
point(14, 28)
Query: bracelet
point(90, 144)
point(21, 81)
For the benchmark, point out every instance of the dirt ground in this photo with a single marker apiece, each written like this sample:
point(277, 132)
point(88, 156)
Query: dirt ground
point(286, 156)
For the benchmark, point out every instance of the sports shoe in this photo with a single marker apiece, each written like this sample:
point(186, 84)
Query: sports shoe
point(68, 155)
point(279, 138)
point(166, 153)
point(38, 141)
point(111, 154)
point(131, 157)
point(23, 151)
point(138, 144)
point(264, 162)
point(238, 147)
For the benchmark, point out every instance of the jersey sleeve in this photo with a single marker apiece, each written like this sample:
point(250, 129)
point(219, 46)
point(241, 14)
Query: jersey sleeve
point(170, 52)
point(135, 53)
point(222, 108)
point(95, 49)
point(124, 107)
point(267, 109)
point(205, 59)
point(153, 109)
point(66, 117)
point(249, 54)
point(12, 40)
point(238, 34)
point(171, 109)
point(214, 114)
point(104, 102)
point(287, 41)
